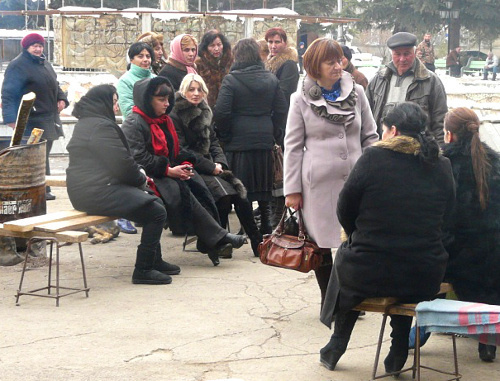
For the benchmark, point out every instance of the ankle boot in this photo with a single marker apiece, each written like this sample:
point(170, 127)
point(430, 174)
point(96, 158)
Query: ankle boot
point(398, 354)
point(333, 351)
point(243, 209)
point(220, 251)
point(235, 240)
point(265, 218)
point(144, 272)
point(487, 353)
point(164, 267)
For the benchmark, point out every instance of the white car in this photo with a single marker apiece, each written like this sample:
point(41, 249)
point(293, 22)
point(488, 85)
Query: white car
point(360, 59)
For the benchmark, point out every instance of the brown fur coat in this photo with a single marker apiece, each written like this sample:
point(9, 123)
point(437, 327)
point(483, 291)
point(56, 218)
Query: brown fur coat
point(213, 72)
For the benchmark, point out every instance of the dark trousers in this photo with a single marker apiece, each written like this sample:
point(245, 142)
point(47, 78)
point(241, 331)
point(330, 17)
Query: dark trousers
point(455, 71)
point(208, 230)
point(48, 148)
point(243, 209)
point(152, 217)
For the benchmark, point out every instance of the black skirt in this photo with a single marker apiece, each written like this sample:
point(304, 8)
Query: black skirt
point(255, 169)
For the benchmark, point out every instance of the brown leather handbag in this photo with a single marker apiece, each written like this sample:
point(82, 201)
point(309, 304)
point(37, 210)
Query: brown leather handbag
point(290, 252)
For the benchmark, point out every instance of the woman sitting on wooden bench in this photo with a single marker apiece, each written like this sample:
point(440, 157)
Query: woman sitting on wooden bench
point(104, 179)
point(392, 208)
point(155, 146)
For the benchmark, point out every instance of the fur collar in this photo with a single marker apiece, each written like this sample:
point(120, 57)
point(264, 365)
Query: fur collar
point(223, 64)
point(273, 64)
point(197, 119)
point(401, 143)
point(419, 70)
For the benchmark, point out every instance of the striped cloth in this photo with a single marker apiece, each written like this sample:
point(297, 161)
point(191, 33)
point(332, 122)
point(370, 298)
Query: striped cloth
point(476, 320)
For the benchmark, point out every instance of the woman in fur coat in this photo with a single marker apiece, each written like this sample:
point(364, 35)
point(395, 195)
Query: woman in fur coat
point(213, 63)
point(474, 264)
point(155, 146)
point(392, 208)
point(192, 118)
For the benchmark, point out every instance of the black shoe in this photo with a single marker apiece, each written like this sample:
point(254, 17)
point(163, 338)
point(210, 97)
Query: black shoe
point(126, 226)
point(167, 268)
point(234, 239)
point(254, 241)
point(226, 252)
point(49, 196)
point(219, 251)
point(487, 353)
point(150, 277)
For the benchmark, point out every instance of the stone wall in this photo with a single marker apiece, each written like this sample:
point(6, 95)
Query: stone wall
point(101, 42)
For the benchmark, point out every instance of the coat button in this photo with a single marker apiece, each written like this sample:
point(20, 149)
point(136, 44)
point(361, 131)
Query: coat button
point(345, 177)
point(341, 135)
point(343, 156)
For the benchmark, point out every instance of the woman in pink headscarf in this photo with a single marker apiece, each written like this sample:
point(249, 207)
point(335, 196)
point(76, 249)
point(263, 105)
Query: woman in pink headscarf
point(183, 52)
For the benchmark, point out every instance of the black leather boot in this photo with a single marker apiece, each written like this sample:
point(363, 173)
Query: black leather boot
point(164, 267)
point(398, 354)
point(265, 218)
point(336, 347)
point(243, 209)
point(487, 353)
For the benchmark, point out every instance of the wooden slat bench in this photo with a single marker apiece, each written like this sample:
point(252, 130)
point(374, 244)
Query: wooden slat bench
point(55, 180)
point(60, 229)
point(389, 306)
point(473, 67)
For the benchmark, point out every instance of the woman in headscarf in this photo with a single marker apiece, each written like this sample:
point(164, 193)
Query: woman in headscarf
point(155, 146)
point(102, 174)
point(192, 118)
point(183, 52)
point(213, 63)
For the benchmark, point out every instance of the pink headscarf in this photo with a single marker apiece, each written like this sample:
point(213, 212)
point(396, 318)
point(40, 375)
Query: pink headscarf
point(176, 53)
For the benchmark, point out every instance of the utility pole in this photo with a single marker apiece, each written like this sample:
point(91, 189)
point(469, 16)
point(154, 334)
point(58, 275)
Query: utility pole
point(340, 28)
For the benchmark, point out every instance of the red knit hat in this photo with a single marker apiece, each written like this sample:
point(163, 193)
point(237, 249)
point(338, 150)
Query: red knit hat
point(32, 38)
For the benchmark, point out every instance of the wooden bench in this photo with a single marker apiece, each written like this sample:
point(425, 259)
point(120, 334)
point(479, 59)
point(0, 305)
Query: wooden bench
point(55, 180)
point(440, 63)
point(389, 306)
point(473, 67)
point(59, 228)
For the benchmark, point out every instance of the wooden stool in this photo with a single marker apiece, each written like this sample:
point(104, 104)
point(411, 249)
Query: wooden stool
point(390, 306)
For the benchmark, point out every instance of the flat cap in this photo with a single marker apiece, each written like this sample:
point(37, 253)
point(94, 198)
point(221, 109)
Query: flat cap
point(401, 39)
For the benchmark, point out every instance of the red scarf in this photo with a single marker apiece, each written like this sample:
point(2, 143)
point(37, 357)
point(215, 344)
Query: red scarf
point(158, 139)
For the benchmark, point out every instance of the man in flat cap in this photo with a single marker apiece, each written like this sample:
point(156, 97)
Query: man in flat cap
point(406, 78)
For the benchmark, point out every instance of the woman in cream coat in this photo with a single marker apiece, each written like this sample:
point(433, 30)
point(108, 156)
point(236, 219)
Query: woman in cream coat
point(329, 124)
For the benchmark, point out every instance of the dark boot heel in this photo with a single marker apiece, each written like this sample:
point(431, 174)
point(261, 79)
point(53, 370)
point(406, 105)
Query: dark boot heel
point(331, 354)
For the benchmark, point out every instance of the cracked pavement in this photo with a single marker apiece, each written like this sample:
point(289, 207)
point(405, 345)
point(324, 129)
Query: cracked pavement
point(241, 320)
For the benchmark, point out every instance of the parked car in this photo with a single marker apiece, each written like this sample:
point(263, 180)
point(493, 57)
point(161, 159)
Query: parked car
point(476, 55)
point(360, 59)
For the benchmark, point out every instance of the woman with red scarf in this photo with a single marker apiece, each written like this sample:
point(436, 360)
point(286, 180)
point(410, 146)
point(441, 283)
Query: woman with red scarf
point(154, 144)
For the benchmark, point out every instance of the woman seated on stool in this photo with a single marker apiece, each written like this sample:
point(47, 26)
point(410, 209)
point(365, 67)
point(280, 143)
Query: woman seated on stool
point(192, 118)
point(155, 146)
point(392, 208)
point(104, 179)
point(474, 265)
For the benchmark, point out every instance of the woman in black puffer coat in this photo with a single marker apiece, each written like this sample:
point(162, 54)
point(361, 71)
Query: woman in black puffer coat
point(474, 264)
point(250, 115)
point(102, 174)
point(192, 118)
point(154, 144)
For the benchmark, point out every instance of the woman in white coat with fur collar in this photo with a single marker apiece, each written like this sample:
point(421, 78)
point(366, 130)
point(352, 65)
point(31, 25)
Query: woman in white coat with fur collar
point(329, 124)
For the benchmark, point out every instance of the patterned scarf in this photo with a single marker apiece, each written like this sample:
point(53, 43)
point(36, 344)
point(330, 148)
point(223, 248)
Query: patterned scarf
point(158, 139)
point(176, 54)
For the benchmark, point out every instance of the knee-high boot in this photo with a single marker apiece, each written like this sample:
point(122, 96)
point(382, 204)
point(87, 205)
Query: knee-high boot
point(244, 211)
point(333, 351)
point(277, 207)
point(224, 205)
point(265, 218)
point(398, 354)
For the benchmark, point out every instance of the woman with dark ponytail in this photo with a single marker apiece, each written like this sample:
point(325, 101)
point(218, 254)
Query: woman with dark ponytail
point(392, 208)
point(474, 264)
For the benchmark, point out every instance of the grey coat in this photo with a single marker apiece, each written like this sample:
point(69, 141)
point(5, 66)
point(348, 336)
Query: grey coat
point(320, 153)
